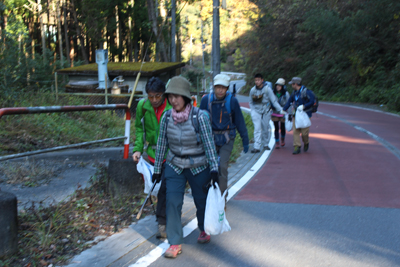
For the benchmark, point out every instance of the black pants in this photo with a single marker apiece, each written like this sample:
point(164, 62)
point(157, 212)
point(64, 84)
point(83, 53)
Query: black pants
point(161, 211)
point(283, 130)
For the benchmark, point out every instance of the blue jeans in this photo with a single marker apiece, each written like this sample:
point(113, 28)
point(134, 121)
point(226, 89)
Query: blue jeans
point(283, 130)
point(176, 184)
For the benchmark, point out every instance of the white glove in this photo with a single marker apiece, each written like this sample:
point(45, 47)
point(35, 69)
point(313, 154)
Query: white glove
point(283, 112)
point(300, 108)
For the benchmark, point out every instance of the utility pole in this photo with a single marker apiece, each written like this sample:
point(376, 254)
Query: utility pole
point(216, 58)
point(60, 34)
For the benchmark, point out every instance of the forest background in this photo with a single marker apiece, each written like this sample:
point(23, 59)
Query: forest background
point(344, 50)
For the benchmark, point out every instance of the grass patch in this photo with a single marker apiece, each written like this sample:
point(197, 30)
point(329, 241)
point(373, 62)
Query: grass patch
point(238, 145)
point(54, 234)
point(22, 133)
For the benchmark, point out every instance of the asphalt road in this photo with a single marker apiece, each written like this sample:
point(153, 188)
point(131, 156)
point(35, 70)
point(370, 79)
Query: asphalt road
point(336, 205)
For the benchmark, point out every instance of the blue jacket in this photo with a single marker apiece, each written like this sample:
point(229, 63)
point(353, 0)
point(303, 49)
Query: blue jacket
point(297, 100)
point(221, 120)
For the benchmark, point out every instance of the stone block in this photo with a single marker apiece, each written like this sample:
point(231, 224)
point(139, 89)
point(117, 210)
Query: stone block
point(123, 178)
point(8, 224)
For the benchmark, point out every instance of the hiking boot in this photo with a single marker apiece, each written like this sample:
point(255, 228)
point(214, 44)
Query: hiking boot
point(306, 147)
point(255, 150)
point(277, 145)
point(161, 231)
point(173, 251)
point(282, 141)
point(296, 150)
point(267, 148)
point(203, 238)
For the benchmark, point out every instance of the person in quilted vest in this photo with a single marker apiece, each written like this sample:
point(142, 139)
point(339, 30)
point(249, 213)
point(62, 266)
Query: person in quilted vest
point(191, 157)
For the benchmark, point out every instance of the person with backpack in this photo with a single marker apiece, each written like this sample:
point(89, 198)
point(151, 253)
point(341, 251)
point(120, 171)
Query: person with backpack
point(186, 137)
point(148, 115)
point(279, 119)
point(226, 119)
point(302, 99)
point(262, 99)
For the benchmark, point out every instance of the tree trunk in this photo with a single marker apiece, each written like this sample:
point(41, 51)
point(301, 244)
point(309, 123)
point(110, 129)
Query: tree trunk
point(72, 51)
point(78, 31)
point(67, 51)
point(59, 34)
point(173, 30)
point(156, 32)
point(136, 49)
point(42, 30)
point(130, 46)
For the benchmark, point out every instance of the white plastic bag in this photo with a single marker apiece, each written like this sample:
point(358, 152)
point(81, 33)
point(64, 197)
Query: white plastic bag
point(288, 123)
point(147, 170)
point(302, 120)
point(215, 221)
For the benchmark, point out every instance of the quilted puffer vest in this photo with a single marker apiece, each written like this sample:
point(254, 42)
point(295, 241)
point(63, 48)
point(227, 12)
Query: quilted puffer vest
point(184, 151)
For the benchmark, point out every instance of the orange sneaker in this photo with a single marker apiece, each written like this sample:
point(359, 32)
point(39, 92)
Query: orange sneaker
point(203, 238)
point(173, 251)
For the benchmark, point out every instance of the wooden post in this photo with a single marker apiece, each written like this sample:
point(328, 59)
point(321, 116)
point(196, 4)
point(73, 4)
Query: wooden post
point(55, 74)
point(105, 90)
point(8, 224)
point(133, 90)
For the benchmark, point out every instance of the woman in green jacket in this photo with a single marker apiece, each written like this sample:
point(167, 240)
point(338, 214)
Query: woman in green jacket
point(148, 115)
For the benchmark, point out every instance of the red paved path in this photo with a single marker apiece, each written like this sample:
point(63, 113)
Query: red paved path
point(383, 125)
point(344, 166)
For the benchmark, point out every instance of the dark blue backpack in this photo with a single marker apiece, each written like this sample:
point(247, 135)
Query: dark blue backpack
point(314, 107)
point(224, 135)
point(225, 102)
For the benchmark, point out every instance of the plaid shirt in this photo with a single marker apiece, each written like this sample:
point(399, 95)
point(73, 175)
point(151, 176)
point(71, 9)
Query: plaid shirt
point(206, 138)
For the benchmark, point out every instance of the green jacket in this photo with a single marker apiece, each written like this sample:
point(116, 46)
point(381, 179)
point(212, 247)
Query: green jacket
point(151, 127)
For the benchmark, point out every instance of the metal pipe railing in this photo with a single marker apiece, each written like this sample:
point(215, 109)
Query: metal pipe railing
point(53, 109)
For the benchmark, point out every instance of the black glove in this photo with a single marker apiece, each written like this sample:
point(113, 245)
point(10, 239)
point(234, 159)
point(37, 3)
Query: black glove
point(214, 178)
point(156, 178)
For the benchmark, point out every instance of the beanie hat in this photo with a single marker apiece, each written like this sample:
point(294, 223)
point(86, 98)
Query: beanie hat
point(296, 80)
point(221, 79)
point(179, 86)
point(280, 81)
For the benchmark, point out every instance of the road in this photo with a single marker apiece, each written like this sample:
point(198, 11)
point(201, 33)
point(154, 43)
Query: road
point(336, 205)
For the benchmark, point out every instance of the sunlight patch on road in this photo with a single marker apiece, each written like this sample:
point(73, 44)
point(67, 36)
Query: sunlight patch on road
point(342, 138)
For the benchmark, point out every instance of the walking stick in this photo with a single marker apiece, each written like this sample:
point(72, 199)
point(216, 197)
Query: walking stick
point(145, 201)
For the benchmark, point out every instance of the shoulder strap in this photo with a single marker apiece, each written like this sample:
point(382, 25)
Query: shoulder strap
point(195, 122)
point(304, 93)
point(167, 114)
point(210, 100)
point(228, 102)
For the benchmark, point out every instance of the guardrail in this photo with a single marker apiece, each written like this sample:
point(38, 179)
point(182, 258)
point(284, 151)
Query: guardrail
point(53, 109)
